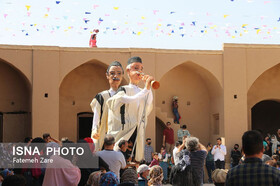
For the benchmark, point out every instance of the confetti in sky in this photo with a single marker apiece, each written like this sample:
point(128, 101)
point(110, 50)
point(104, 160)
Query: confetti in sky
point(180, 24)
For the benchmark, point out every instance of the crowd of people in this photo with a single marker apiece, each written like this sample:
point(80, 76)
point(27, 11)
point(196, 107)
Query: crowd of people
point(183, 166)
point(118, 153)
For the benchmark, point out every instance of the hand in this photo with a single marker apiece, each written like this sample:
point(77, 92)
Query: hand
point(148, 80)
point(129, 159)
point(199, 146)
point(163, 144)
point(96, 136)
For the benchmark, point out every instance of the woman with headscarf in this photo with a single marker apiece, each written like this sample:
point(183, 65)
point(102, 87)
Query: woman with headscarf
point(156, 176)
point(129, 176)
point(274, 144)
point(109, 179)
point(94, 178)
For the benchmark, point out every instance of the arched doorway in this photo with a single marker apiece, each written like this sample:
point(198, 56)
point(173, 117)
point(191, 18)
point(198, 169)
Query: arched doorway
point(15, 104)
point(264, 93)
point(160, 126)
point(266, 116)
point(76, 91)
point(84, 124)
point(200, 97)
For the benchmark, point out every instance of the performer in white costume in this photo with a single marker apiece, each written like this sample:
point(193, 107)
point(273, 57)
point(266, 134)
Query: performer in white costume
point(130, 106)
point(114, 75)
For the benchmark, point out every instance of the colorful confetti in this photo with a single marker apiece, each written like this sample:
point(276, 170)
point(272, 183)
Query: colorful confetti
point(186, 22)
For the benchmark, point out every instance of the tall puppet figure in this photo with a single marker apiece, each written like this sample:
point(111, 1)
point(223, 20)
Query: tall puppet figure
point(114, 75)
point(129, 108)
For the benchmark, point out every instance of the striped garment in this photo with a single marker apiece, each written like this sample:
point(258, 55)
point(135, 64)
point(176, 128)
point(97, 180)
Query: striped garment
point(197, 159)
point(253, 172)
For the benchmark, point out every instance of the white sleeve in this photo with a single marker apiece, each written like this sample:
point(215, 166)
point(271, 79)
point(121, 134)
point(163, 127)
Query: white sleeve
point(95, 120)
point(150, 98)
point(224, 150)
point(122, 159)
point(129, 99)
point(213, 150)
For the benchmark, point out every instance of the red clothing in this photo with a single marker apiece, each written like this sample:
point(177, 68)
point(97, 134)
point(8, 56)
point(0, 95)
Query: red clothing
point(92, 42)
point(154, 162)
point(169, 135)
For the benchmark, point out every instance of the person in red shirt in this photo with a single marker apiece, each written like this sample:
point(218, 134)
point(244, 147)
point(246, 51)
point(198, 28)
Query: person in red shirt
point(155, 160)
point(168, 138)
point(92, 40)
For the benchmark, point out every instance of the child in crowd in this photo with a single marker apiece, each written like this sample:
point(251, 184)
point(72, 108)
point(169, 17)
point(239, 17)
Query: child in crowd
point(155, 160)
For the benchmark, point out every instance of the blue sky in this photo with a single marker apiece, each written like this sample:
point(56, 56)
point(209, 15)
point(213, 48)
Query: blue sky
point(176, 24)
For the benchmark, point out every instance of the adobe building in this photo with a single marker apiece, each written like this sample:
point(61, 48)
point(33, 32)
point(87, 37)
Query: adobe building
point(221, 93)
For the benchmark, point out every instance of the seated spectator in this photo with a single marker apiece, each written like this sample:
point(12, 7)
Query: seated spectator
point(271, 163)
point(115, 160)
point(275, 157)
point(94, 178)
point(28, 140)
point(156, 176)
point(14, 180)
point(143, 171)
point(253, 171)
point(109, 179)
point(47, 137)
point(129, 176)
point(155, 160)
point(219, 177)
point(265, 158)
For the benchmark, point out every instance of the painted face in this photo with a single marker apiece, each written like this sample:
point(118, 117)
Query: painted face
point(134, 72)
point(115, 75)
